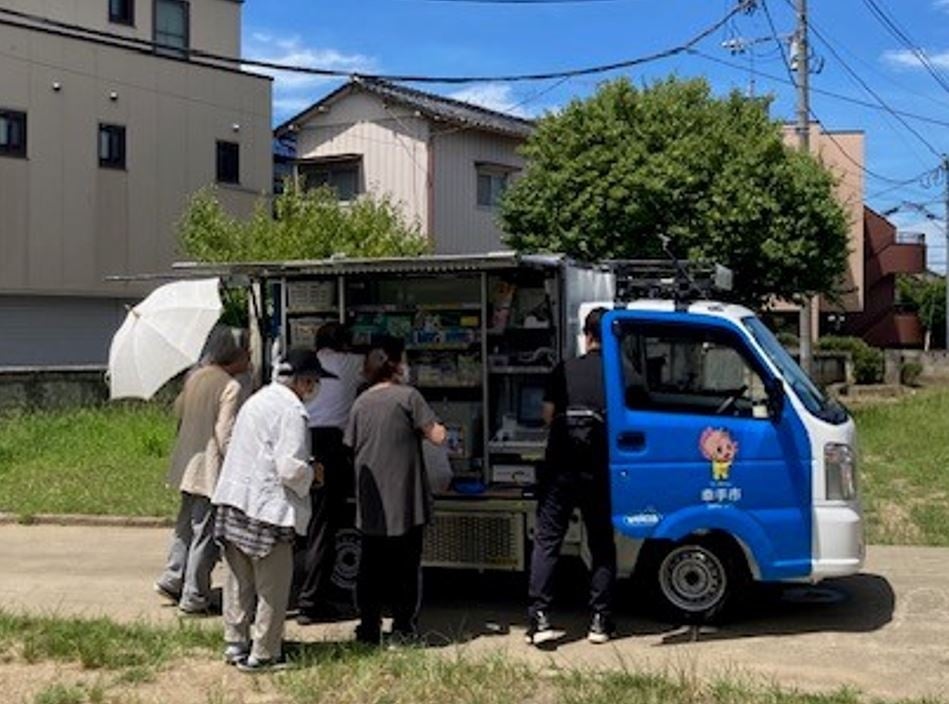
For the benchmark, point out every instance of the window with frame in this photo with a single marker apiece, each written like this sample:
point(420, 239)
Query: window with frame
point(172, 25)
point(694, 370)
point(122, 11)
point(341, 176)
point(13, 133)
point(228, 162)
point(492, 183)
point(111, 146)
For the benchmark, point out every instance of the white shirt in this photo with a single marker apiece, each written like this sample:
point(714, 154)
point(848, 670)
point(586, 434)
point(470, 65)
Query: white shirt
point(266, 472)
point(330, 408)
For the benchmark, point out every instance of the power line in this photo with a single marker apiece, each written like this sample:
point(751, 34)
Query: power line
point(876, 96)
point(57, 27)
point(793, 80)
point(820, 91)
point(521, 2)
point(893, 27)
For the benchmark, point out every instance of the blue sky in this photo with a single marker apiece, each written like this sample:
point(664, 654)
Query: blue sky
point(457, 37)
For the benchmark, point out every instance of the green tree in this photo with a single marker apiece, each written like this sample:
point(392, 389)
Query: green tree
point(608, 174)
point(927, 294)
point(301, 225)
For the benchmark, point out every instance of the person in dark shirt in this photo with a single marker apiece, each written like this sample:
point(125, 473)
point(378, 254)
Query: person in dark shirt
point(393, 498)
point(575, 475)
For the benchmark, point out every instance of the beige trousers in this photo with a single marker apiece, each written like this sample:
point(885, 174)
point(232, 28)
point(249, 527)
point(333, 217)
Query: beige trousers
point(262, 581)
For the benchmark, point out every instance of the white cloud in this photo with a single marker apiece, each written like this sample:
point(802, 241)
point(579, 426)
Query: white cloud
point(904, 58)
point(295, 91)
point(494, 96)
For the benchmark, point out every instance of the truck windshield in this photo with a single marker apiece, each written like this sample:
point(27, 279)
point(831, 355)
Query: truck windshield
point(813, 399)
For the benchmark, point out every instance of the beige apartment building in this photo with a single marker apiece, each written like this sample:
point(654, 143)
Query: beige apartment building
point(103, 138)
point(445, 161)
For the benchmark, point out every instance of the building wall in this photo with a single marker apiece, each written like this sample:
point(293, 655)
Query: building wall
point(66, 223)
point(43, 331)
point(215, 24)
point(838, 152)
point(392, 141)
point(461, 225)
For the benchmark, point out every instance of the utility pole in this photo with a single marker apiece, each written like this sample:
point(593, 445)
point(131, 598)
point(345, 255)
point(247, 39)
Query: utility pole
point(945, 184)
point(804, 145)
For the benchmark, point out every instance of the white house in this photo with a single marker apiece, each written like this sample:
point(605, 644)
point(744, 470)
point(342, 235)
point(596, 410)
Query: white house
point(446, 161)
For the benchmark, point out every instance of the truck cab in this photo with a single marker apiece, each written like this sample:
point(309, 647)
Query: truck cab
point(727, 463)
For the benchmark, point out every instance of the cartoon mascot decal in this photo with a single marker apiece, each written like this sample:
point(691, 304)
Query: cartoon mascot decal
point(718, 446)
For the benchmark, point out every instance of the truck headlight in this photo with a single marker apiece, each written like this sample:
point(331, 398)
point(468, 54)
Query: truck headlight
point(840, 472)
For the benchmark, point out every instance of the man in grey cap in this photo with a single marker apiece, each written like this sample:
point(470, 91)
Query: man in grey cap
point(263, 504)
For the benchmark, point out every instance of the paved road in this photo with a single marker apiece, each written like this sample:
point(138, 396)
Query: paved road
point(885, 632)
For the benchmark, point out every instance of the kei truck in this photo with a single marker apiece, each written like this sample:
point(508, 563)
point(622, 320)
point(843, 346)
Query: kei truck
point(727, 463)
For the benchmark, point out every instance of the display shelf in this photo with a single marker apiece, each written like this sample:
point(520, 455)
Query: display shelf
point(421, 307)
point(312, 311)
point(498, 332)
point(509, 370)
point(444, 347)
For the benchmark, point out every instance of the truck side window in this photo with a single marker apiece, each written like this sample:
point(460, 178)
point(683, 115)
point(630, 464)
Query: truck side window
point(690, 370)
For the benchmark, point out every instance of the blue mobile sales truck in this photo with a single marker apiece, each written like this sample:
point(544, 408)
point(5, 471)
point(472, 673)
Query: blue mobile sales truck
point(727, 463)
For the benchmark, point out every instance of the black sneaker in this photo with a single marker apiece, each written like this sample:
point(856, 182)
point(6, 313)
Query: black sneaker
point(601, 629)
point(540, 629)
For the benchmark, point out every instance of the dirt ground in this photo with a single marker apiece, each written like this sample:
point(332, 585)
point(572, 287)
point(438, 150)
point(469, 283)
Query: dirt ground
point(884, 632)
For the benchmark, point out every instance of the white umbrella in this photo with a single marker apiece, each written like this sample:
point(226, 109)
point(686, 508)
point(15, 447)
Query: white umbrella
point(162, 336)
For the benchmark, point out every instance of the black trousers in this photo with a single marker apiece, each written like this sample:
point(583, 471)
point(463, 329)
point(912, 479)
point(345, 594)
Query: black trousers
point(557, 499)
point(390, 572)
point(316, 553)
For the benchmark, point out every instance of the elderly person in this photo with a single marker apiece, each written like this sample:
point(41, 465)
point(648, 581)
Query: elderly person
point(263, 503)
point(206, 408)
point(393, 497)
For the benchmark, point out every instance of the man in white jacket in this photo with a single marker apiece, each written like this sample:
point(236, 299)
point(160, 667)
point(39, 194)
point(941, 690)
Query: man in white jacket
point(263, 503)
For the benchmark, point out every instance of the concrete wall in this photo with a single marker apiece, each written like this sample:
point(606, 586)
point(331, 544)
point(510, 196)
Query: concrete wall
point(392, 141)
point(215, 25)
point(46, 389)
point(461, 225)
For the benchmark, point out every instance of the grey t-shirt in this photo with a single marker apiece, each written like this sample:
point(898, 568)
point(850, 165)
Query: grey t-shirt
point(392, 489)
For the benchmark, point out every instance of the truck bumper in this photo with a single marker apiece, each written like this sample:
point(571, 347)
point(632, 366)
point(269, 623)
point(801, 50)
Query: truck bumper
point(839, 547)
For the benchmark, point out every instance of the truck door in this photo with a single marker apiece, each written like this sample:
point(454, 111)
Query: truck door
point(695, 445)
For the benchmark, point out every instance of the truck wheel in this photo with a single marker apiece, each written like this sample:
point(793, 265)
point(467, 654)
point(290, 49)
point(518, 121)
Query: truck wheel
point(696, 580)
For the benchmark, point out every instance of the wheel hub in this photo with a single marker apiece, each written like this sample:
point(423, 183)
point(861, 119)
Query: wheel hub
point(693, 579)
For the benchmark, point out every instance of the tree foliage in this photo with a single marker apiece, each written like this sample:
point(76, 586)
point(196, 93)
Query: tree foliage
point(608, 174)
point(927, 294)
point(301, 225)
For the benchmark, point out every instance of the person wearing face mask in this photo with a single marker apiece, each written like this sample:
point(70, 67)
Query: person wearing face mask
point(263, 503)
point(386, 428)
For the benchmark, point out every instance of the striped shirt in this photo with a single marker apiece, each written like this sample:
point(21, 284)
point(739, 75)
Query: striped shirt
point(252, 537)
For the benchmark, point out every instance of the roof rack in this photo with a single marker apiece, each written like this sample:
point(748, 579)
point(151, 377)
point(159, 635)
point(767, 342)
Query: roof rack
point(682, 282)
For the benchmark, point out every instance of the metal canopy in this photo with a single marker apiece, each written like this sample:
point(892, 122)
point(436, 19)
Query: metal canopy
point(336, 266)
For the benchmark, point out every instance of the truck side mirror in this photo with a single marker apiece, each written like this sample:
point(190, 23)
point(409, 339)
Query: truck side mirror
point(775, 390)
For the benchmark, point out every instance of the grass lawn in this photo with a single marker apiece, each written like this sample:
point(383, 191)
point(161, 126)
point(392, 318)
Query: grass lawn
point(112, 460)
point(102, 460)
point(125, 658)
point(904, 455)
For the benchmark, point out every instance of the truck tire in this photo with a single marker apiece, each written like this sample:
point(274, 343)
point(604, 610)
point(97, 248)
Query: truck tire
point(696, 580)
